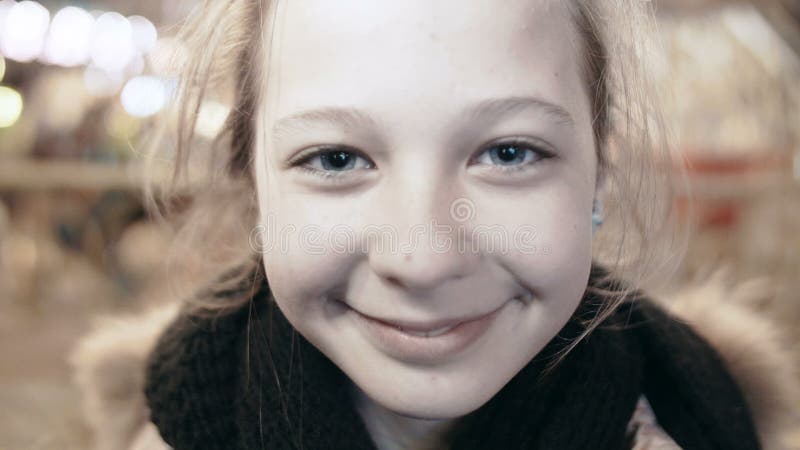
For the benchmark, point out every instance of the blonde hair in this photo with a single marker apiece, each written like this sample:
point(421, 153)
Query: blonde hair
point(227, 41)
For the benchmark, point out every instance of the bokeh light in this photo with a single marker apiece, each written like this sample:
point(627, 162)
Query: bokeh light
point(112, 46)
point(10, 106)
point(144, 33)
point(144, 96)
point(211, 118)
point(24, 30)
point(70, 38)
point(5, 7)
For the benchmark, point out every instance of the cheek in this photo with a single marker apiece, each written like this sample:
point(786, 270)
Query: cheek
point(551, 238)
point(309, 246)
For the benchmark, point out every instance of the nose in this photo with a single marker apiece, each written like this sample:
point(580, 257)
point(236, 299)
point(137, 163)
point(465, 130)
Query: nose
point(431, 248)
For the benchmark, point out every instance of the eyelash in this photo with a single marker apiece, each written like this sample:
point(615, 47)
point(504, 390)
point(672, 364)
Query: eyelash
point(302, 160)
point(542, 153)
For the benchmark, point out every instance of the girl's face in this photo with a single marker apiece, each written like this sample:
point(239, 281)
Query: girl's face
point(425, 174)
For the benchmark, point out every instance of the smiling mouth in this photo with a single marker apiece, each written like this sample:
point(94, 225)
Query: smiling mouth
point(426, 329)
point(424, 343)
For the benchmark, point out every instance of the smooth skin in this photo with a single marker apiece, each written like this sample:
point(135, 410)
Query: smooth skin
point(386, 113)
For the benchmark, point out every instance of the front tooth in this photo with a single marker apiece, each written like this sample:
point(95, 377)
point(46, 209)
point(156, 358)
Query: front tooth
point(432, 333)
point(440, 331)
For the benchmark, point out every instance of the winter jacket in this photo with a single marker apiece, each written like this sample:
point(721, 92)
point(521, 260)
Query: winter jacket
point(110, 368)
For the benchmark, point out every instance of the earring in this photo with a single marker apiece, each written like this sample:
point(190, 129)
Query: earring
point(597, 214)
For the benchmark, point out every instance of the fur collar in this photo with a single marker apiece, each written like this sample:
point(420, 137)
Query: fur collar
point(109, 365)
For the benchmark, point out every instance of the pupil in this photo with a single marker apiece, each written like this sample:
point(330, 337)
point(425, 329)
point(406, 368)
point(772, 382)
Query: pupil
point(507, 153)
point(337, 159)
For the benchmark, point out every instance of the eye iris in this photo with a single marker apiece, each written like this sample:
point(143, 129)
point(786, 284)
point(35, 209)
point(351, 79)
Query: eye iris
point(507, 154)
point(336, 160)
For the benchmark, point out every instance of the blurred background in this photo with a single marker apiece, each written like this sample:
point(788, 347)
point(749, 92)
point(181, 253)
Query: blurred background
point(78, 80)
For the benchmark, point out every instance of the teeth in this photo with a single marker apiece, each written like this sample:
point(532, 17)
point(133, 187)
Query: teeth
point(432, 333)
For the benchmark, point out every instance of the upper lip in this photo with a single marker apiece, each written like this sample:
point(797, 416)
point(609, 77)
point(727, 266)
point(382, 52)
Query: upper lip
point(427, 326)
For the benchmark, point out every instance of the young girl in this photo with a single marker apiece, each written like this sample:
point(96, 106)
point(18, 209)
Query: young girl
point(421, 184)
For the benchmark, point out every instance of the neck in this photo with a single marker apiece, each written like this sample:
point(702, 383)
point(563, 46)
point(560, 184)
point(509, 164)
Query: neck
point(392, 431)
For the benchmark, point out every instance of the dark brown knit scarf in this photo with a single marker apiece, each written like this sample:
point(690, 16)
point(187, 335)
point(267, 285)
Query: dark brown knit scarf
point(247, 380)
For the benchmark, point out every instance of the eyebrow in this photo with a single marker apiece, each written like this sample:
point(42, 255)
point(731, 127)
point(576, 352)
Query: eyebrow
point(355, 118)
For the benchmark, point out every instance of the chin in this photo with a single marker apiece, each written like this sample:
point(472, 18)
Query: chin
point(435, 395)
point(444, 410)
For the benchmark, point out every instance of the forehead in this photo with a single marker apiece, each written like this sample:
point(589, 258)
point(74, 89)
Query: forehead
point(436, 54)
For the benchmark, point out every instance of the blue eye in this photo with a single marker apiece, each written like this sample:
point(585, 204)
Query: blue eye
point(333, 159)
point(512, 154)
point(337, 160)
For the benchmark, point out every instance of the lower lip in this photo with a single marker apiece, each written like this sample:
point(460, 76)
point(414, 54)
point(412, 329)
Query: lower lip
point(420, 349)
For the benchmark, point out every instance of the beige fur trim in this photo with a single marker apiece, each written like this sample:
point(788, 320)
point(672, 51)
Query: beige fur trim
point(109, 368)
point(149, 439)
point(751, 345)
point(647, 434)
